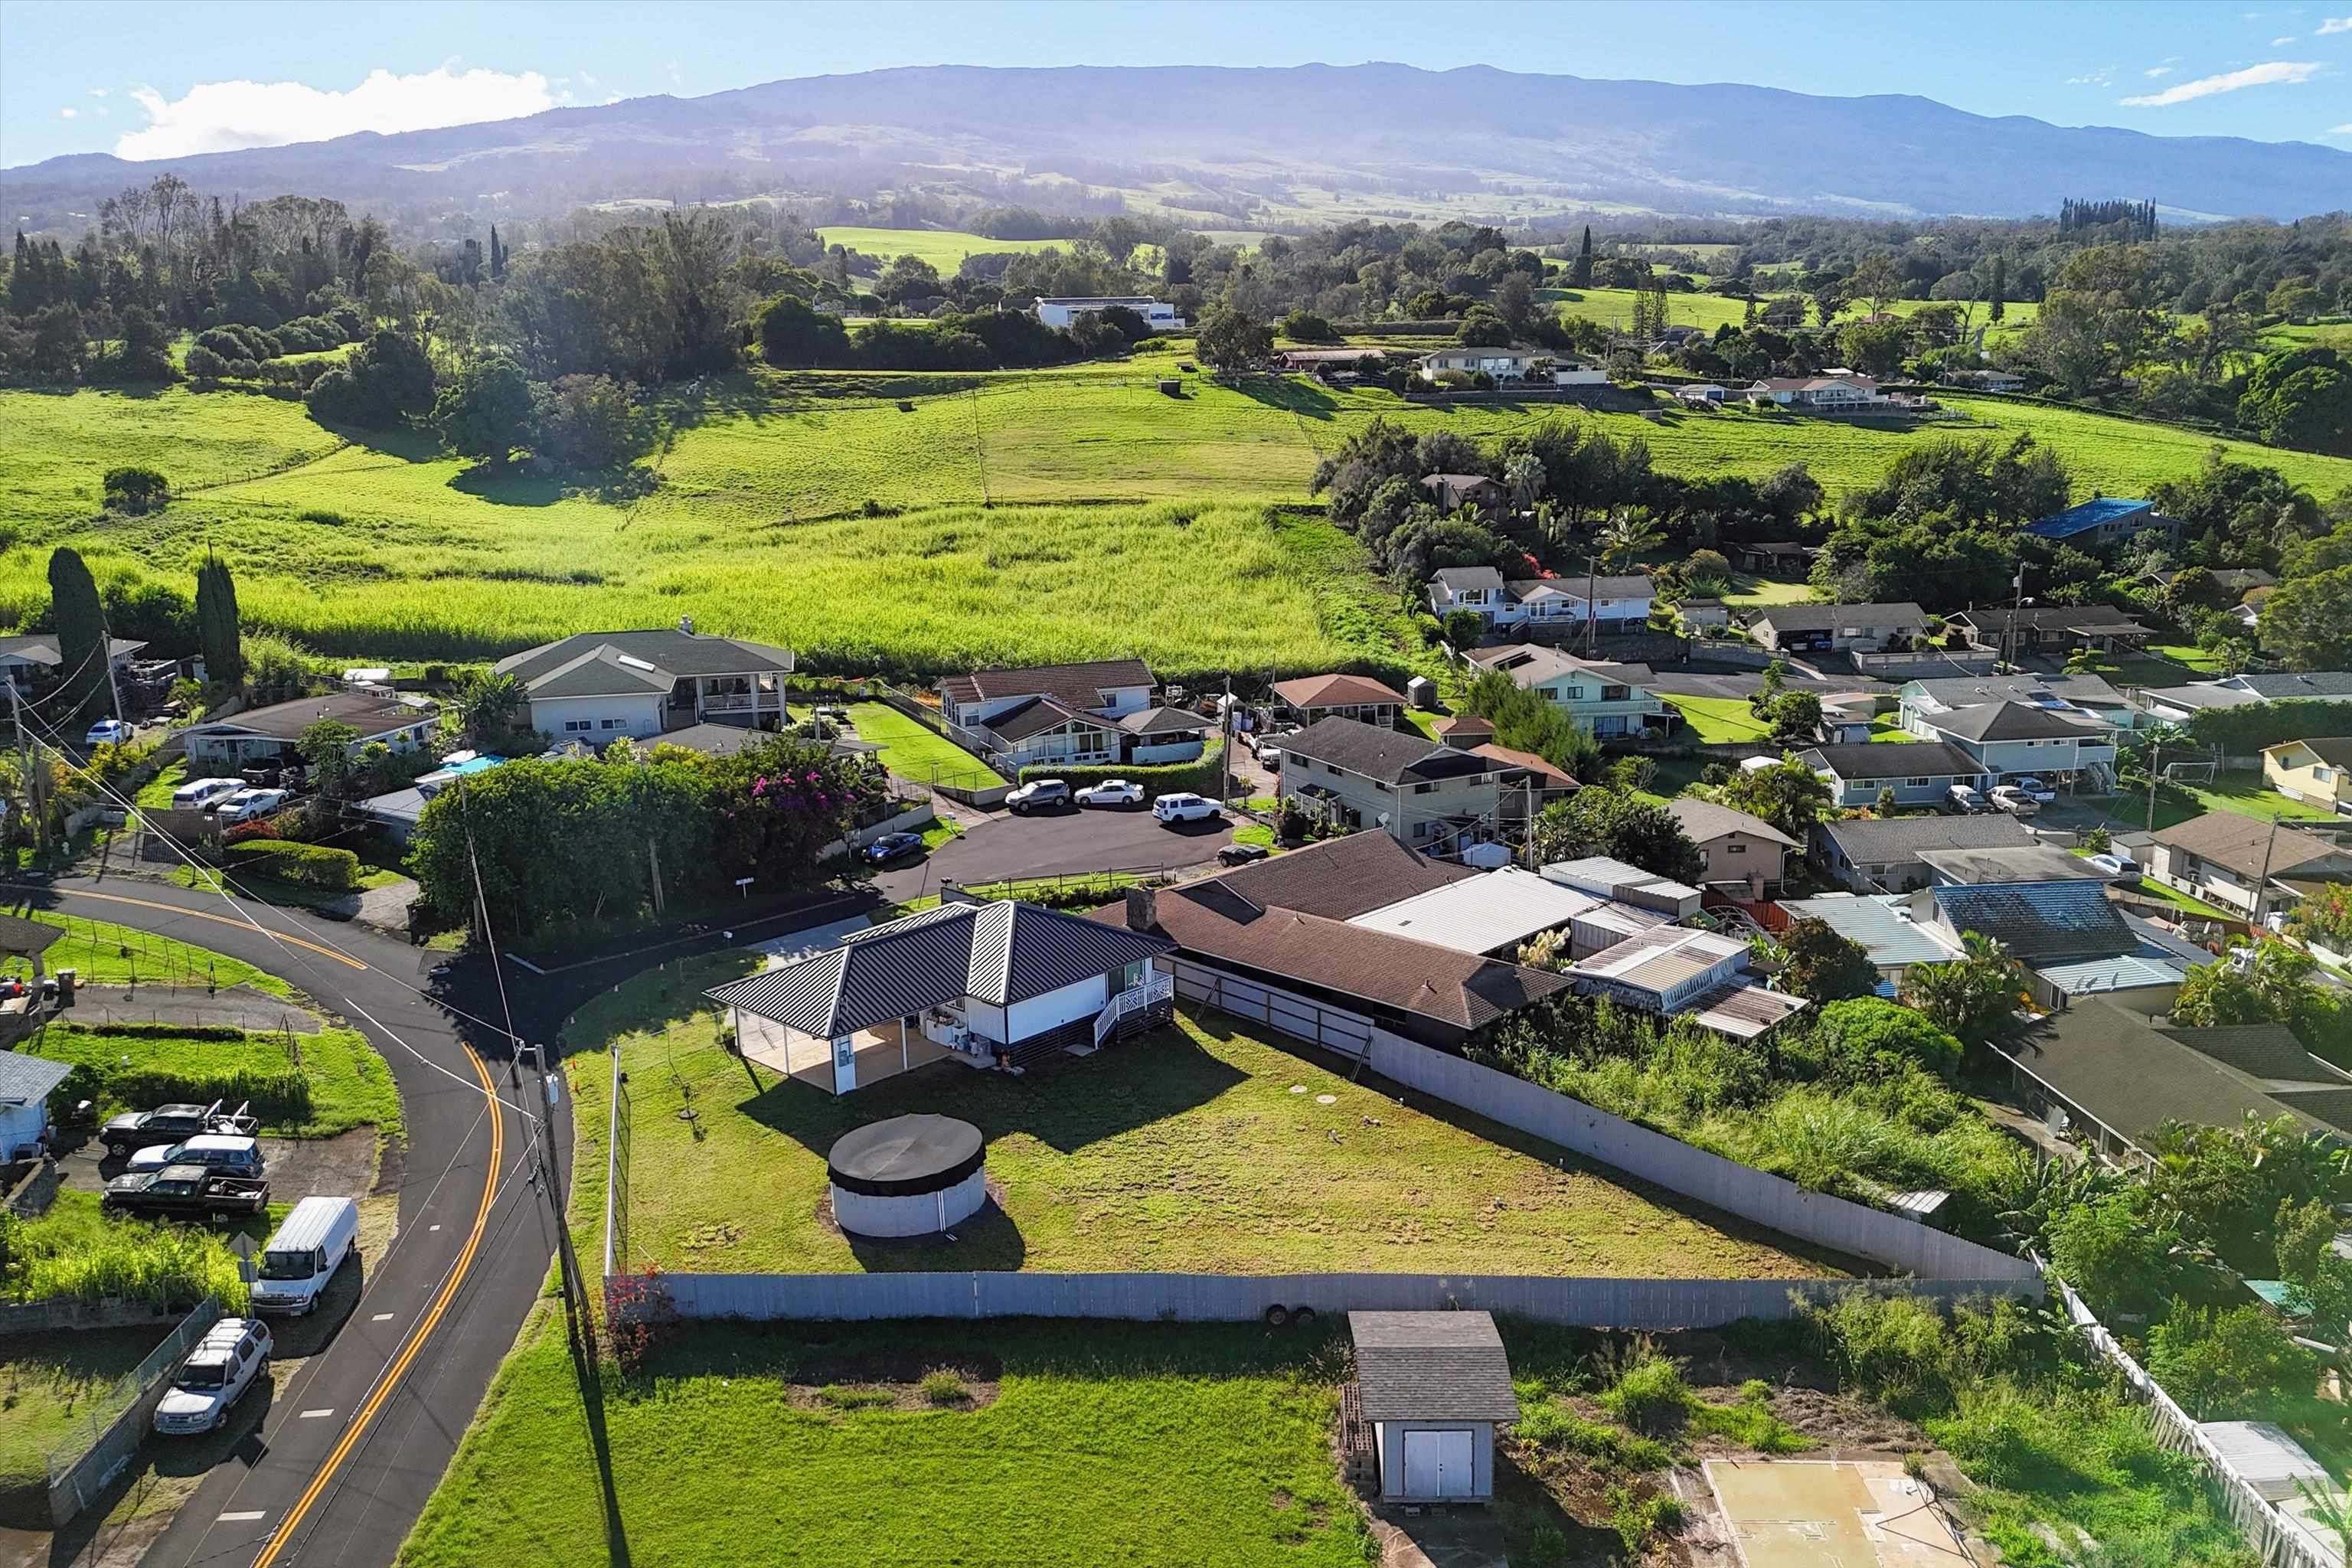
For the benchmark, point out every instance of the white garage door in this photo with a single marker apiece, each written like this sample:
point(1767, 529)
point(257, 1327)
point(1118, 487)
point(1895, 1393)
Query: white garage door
point(1437, 1464)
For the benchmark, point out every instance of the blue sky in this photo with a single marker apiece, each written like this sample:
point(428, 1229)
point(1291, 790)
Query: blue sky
point(167, 80)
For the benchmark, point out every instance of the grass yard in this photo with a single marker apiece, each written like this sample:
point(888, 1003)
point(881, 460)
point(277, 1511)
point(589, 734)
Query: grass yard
point(1749, 589)
point(2243, 792)
point(944, 248)
point(1181, 1150)
point(1150, 1445)
point(106, 954)
point(1719, 720)
point(914, 752)
point(53, 1387)
point(350, 1086)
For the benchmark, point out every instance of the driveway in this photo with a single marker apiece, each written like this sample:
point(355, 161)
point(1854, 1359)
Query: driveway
point(1052, 843)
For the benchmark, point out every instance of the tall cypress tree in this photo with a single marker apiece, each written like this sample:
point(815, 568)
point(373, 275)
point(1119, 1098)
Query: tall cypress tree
point(498, 255)
point(1581, 274)
point(82, 632)
point(218, 637)
point(1999, 287)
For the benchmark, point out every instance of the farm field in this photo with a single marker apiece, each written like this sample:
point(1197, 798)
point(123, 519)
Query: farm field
point(742, 1444)
point(944, 248)
point(1614, 308)
point(1184, 1150)
point(762, 525)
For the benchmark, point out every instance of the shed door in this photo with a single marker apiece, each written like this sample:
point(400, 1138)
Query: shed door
point(1437, 1464)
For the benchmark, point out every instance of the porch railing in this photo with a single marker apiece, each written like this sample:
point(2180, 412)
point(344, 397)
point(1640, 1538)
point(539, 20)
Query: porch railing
point(1159, 989)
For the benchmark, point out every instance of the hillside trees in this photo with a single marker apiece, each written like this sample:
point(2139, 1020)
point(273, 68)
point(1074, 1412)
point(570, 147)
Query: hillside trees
point(387, 383)
point(1230, 339)
point(486, 410)
point(80, 623)
point(220, 637)
point(2309, 620)
point(2301, 397)
point(590, 424)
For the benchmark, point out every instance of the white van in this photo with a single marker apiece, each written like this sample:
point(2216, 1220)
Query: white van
point(198, 794)
point(294, 1269)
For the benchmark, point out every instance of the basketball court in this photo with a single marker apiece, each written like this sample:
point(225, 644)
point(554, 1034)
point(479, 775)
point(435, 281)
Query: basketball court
point(1854, 1513)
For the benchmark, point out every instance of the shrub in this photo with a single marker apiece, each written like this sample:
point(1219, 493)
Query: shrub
point(1650, 1395)
point(1558, 1430)
point(845, 1398)
point(1202, 777)
point(135, 491)
point(942, 1386)
point(306, 865)
point(1863, 1030)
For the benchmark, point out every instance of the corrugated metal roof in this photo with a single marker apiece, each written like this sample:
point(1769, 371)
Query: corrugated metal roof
point(1743, 1011)
point(2090, 514)
point(1498, 909)
point(2124, 971)
point(2263, 1453)
point(2060, 920)
point(1877, 924)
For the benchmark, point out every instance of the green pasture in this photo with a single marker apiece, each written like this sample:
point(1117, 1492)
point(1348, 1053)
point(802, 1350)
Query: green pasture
point(944, 248)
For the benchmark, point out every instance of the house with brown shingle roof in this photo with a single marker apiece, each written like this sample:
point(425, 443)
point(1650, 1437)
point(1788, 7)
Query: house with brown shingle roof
point(2246, 866)
point(1049, 713)
point(1358, 697)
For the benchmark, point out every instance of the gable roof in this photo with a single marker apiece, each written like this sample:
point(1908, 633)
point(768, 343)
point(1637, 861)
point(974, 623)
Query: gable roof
point(1165, 722)
point(2278, 686)
point(1970, 690)
point(28, 1079)
point(2101, 620)
point(1704, 820)
point(1461, 579)
point(1880, 924)
point(1037, 715)
point(1872, 762)
point(2089, 515)
point(1976, 867)
point(998, 953)
point(1432, 1366)
point(1340, 878)
point(2045, 921)
point(604, 664)
point(2006, 720)
point(2335, 751)
point(2245, 844)
point(1456, 727)
point(1553, 777)
point(1883, 841)
point(1494, 909)
point(369, 715)
point(41, 648)
point(1337, 691)
point(1077, 685)
point(1632, 585)
point(1828, 617)
point(1527, 663)
point(1356, 747)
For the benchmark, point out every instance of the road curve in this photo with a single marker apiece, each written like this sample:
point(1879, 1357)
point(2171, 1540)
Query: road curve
point(439, 1309)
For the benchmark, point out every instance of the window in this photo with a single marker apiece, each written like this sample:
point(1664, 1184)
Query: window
point(1613, 693)
point(611, 723)
point(1572, 693)
point(1735, 848)
point(1425, 789)
point(579, 724)
point(1917, 783)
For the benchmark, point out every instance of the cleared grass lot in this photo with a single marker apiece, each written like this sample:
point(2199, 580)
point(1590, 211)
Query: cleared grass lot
point(106, 955)
point(1184, 1149)
point(915, 752)
point(350, 1084)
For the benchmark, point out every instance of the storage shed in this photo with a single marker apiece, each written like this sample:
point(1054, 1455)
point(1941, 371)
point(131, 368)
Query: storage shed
point(1430, 1387)
point(25, 1084)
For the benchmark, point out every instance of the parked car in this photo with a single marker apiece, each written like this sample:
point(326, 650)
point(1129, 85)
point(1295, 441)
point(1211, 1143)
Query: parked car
point(108, 732)
point(2120, 866)
point(308, 1247)
point(1183, 807)
point(187, 1191)
point(169, 1123)
point(2014, 801)
point(231, 1358)
point(1964, 799)
point(892, 846)
point(1040, 795)
point(246, 804)
point(202, 794)
point(230, 1153)
point(1112, 792)
point(1242, 854)
point(2043, 794)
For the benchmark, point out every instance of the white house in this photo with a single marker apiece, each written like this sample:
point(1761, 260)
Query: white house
point(1061, 714)
point(2011, 740)
point(1603, 698)
point(1503, 364)
point(992, 984)
point(1619, 602)
point(1061, 311)
point(1700, 394)
point(1830, 393)
point(25, 1084)
point(600, 686)
point(26, 659)
point(1577, 372)
point(1920, 773)
point(2183, 702)
point(271, 734)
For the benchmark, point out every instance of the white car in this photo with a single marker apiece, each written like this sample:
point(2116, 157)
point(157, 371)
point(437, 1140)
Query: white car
point(1183, 808)
point(108, 732)
point(2120, 866)
point(247, 804)
point(203, 795)
point(2043, 794)
point(1112, 791)
point(232, 1357)
point(2014, 801)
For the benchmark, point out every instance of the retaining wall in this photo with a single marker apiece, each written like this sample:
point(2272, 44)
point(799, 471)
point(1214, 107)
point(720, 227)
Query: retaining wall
point(75, 1486)
point(47, 1317)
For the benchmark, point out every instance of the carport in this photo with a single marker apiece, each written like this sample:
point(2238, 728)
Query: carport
point(861, 1057)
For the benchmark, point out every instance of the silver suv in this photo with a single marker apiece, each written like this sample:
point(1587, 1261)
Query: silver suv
point(232, 1357)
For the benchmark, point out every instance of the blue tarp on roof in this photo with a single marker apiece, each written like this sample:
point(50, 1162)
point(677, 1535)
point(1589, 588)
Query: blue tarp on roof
point(2091, 514)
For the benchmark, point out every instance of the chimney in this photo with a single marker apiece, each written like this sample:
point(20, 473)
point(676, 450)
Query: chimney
point(1142, 909)
point(685, 624)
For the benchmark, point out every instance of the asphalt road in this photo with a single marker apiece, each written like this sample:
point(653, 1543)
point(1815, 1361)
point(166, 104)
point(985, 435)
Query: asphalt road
point(1056, 843)
point(343, 1460)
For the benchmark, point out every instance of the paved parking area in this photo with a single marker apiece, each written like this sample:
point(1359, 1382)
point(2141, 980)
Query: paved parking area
point(1062, 843)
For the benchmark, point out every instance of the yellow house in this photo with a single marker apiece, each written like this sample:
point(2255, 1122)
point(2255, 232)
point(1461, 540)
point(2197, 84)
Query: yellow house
point(2316, 772)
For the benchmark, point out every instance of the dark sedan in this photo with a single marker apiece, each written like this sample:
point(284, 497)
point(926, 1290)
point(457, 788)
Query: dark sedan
point(892, 846)
point(1241, 854)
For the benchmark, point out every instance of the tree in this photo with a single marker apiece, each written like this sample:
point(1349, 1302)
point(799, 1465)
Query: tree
point(1604, 822)
point(326, 745)
point(486, 412)
point(2232, 1365)
point(220, 637)
point(1975, 998)
point(2270, 989)
point(796, 335)
point(1795, 716)
point(80, 622)
point(1871, 1039)
point(1230, 339)
point(1305, 327)
point(386, 383)
point(134, 490)
point(146, 351)
point(2301, 397)
point(1626, 536)
point(2113, 1256)
point(492, 706)
point(1580, 276)
point(1787, 794)
point(1824, 967)
point(1463, 628)
point(2309, 620)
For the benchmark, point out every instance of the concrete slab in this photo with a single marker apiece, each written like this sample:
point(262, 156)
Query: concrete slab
point(1855, 1513)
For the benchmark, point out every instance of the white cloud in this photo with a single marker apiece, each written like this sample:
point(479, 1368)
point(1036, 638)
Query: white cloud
point(2340, 130)
point(2332, 24)
point(218, 116)
point(2281, 72)
point(98, 92)
point(2282, 43)
point(67, 113)
point(2099, 77)
point(2154, 71)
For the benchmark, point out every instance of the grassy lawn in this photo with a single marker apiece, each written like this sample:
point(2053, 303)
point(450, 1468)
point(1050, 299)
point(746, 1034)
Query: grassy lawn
point(1719, 720)
point(944, 248)
point(1749, 589)
point(914, 752)
point(1424, 720)
point(106, 954)
point(350, 1084)
point(2244, 792)
point(2149, 888)
point(52, 1387)
point(1185, 1150)
point(1255, 833)
point(270, 890)
point(727, 1454)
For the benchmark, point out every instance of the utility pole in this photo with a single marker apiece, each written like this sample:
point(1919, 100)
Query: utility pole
point(2154, 772)
point(2016, 610)
point(2263, 881)
point(1592, 606)
point(32, 767)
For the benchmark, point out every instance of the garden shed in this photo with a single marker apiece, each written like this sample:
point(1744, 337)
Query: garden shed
point(26, 1084)
point(1430, 1388)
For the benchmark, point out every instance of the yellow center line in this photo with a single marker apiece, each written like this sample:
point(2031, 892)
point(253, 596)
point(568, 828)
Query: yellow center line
point(217, 920)
point(391, 1380)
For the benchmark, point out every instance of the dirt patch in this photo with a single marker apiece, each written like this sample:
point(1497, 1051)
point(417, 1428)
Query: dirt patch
point(893, 1380)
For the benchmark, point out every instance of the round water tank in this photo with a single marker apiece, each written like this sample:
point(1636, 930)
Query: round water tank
point(910, 1175)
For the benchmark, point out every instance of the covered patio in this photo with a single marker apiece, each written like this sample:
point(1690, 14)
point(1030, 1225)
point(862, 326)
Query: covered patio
point(863, 1057)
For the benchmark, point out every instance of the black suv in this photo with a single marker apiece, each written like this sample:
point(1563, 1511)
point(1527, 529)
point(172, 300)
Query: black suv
point(170, 1124)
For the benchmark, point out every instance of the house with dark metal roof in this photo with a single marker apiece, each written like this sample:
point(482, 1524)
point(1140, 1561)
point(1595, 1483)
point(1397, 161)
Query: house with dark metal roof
point(1164, 735)
point(1316, 697)
point(2109, 1069)
point(1919, 774)
point(1340, 878)
point(1881, 853)
point(2049, 628)
point(1430, 1389)
point(271, 734)
point(998, 983)
point(2103, 521)
point(1110, 687)
point(1839, 628)
point(599, 685)
point(1408, 786)
point(2037, 922)
point(2244, 865)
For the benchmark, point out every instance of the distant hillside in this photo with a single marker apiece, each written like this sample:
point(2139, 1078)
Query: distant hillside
point(1210, 145)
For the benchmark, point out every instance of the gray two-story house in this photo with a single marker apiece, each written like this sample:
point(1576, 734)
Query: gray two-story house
point(1420, 793)
point(1603, 698)
point(2015, 740)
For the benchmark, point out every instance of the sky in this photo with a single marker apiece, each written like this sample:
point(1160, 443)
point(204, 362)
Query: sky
point(148, 80)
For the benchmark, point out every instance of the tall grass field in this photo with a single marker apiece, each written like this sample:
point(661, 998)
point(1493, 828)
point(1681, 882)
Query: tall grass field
point(944, 248)
point(1015, 516)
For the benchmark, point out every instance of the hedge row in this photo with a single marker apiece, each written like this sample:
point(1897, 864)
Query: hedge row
point(281, 1095)
point(308, 865)
point(2251, 728)
point(1201, 777)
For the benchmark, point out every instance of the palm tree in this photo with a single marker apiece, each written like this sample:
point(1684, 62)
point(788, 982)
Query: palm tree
point(491, 704)
point(1626, 536)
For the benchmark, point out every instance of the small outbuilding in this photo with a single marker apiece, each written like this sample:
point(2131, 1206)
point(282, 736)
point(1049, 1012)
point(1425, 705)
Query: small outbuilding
point(25, 1084)
point(909, 1175)
point(1430, 1388)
